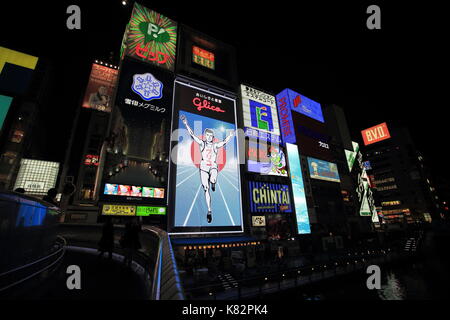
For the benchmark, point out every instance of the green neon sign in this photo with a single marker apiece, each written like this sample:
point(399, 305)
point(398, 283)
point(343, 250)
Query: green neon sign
point(144, 211)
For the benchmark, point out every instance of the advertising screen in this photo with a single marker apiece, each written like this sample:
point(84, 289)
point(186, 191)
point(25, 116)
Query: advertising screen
point(260, 114)
point(298, 189)
point(301, 104)
point(203, 57)
point(323, 170)
point(91, 160)
point(269, 197)
point(151, 37)
point(138, 151)
point(5, 103)
point(118, 210)
point(100, 88)
point(266, 159)
point(375, 134)
point(37, 176)
point(207, 180)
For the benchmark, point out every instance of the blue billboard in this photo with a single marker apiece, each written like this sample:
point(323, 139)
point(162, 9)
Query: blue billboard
point(323, 170)
point(303, 105)
point(269, 197)
point(207, 176)
point(298, 189)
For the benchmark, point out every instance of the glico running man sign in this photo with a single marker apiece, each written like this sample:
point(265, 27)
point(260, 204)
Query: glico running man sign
point(206, 191)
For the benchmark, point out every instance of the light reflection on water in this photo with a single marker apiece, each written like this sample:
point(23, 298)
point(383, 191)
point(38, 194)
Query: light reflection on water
point(392, 289)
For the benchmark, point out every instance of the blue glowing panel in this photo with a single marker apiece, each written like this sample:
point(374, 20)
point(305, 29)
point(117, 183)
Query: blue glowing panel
point(285, 117)
point(304, 105)
point(323, 170)
point(298, 189)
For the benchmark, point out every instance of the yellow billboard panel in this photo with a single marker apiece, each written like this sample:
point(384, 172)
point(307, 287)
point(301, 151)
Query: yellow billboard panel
point(118, 210)
point(17, 58)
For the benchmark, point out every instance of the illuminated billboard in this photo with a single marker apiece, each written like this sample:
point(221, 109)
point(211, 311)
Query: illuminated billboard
point(266, 159)
point(269, 197)
point(203, 57)
point(301, 104)
point(258, 221)
point(37, 176)
point(5, 103)
point(285, 116)
point(298, 189)
point(351, 155)
point(118, 210)
point(260, 115)
point(91, 160)
point(206, 191)
point(145, 211)
point(100, 88)
point(138, 153)
point(151, 37)
point(375, 134)
point(323, 170)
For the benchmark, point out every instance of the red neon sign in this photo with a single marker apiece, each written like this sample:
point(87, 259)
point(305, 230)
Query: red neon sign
point(205, 104)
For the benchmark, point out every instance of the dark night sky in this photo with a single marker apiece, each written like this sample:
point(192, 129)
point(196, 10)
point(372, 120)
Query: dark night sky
point(321, 49)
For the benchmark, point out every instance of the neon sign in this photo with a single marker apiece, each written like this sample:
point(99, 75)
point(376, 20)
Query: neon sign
point(203, 57)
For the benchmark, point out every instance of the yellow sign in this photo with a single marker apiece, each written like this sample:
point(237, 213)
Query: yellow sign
point(18, 58)
point(118, 210)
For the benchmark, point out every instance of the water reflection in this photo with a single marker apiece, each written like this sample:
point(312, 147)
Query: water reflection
point(392, 289)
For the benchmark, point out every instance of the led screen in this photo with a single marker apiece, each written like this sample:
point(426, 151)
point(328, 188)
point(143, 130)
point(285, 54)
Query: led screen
point(285, 116)
point(100, 88)
point(207, 178)
point(138, 152)
point(269, 197)
point(203, 57)
point(260, 114)
point(323, 170)
point(301, 104)
point(301, 209)
point(151, 37)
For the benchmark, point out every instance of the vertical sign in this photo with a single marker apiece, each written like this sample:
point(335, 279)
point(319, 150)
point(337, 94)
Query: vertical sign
point(284, 112)
point(100, 88)
point(301, 209)
point(207, 180)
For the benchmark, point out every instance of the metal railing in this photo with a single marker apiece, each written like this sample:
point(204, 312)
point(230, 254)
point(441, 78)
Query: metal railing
point(271, 282)
point(16, 276)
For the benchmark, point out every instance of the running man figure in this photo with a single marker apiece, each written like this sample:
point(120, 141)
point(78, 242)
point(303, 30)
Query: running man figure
point(208, 164)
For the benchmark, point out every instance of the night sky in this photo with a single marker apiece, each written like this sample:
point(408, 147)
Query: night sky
point(320, 49)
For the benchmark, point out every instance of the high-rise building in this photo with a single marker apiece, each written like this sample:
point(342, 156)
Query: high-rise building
point(395, 167)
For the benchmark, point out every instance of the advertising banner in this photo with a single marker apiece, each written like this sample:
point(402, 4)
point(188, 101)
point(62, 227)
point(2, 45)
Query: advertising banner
point(145, 211)
point(100, 88)
point(138, 152)
point(266, 159)
point(298, 189)
point(260, 114)
point(269, 197)
point(207, 179)
point(151, 37)
point(375, 134)
point(323, 170)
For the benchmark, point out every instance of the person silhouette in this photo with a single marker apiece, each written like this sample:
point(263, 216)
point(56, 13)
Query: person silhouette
point(50, 196)
point(106, 243)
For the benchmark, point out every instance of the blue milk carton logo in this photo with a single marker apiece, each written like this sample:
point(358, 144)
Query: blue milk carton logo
point(147, 86)
point(261, 115)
